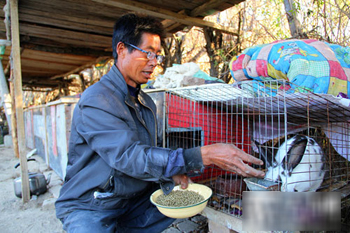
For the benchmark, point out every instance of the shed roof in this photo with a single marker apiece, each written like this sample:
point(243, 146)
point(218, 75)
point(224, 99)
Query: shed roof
point(62, 37)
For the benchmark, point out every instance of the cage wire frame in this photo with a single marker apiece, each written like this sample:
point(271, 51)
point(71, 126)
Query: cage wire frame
point(254, 115)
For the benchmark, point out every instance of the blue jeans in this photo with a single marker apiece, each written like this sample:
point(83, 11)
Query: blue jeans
point(140, 215)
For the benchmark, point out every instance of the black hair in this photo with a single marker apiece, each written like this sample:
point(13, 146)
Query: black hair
point(130, 27)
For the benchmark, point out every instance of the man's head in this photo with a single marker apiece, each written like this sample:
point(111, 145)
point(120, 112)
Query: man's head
point(136, 39)
point(130, 27)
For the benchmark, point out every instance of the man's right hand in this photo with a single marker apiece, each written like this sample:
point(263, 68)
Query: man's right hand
point(231, 158)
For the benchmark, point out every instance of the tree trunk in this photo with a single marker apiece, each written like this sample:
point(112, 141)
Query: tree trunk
point(178, 49)
point(173, 55)
point(211, 44)
point(294, 24)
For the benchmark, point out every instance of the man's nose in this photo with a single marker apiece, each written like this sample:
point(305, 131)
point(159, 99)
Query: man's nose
point(153, 61)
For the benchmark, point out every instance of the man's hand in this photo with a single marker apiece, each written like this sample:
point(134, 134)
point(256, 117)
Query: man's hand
point(231, 158)
point(183, 180)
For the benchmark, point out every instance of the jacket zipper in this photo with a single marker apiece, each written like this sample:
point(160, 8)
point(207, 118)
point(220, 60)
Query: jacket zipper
point(142, 122)
point(155, 122)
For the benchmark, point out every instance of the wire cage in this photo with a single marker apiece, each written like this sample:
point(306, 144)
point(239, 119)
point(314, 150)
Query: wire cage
point(265, 119)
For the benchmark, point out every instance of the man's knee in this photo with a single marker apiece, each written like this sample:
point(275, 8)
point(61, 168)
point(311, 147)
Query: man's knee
point(82, 221)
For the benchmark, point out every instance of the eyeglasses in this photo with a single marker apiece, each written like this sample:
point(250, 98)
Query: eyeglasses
point(150, 55)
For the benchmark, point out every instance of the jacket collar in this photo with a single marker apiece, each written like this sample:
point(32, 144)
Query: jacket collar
point(117, 79)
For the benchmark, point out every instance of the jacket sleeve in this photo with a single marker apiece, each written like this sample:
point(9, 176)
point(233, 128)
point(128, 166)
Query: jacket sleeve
point(114, 138)
point(182, 161)
point(108, 131)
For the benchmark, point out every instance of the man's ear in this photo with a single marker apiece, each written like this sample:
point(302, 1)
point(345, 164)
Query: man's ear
point(121, 49)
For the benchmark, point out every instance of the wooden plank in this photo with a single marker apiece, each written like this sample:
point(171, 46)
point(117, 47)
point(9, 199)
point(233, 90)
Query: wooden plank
point(207, 6)
point(52, 61)
point(69, 58)
point(165, 14)
point(14, 120)
point(28, 72)
point(97, 25)
point(58, 50)
point(48, 66)
point(66, 36)
point(55, 47)
point(44, 81)
point(80, 8)
point(19, 99)
point(80, 68)
point(74, 51)
point(77, 43)
point(170, 25)
point(223, 219)
point(31, 86)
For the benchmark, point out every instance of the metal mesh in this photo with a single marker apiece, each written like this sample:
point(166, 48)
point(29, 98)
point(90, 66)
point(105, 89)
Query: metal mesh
point(257, 117)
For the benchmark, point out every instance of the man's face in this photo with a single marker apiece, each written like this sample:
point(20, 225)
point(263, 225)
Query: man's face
point(135, 66)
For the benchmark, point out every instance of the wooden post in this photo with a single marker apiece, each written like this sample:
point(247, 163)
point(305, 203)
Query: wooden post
point(17, 75)
point(13, 118)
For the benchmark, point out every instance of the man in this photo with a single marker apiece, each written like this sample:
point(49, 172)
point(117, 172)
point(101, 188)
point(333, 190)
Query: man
point(114, 163)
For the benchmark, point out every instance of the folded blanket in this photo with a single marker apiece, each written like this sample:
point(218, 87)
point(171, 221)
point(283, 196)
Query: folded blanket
point(308, 65)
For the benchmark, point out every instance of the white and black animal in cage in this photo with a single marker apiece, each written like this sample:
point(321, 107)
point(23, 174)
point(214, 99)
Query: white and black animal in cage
point(298, 164)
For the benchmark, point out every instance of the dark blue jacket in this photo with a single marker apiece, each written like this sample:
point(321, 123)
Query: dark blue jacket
point(113, 153)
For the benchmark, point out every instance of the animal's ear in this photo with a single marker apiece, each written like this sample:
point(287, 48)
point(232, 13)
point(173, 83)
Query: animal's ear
point(265, 154)
point(295, 153)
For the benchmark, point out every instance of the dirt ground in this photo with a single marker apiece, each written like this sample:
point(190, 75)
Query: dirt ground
point(36, 216)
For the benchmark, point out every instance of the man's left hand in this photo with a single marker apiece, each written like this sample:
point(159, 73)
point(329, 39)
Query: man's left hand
point(183, 180)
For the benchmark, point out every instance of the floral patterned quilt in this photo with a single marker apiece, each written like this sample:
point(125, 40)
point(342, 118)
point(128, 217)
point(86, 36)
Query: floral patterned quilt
point(307, 65)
